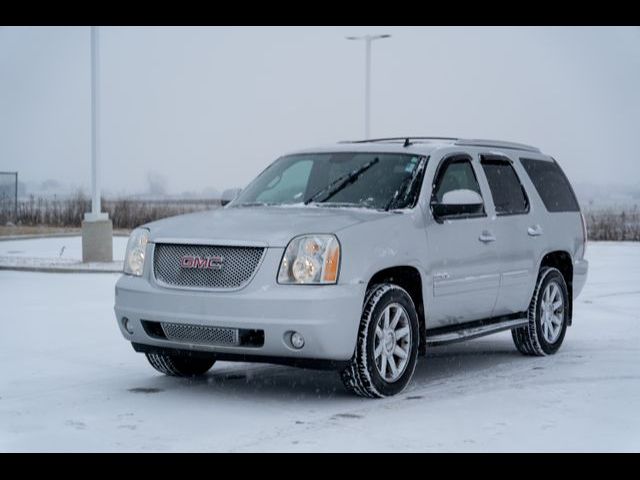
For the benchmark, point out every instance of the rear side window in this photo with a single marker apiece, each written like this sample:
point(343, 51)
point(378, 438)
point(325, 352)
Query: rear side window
point(507, 191)
point(552, 185)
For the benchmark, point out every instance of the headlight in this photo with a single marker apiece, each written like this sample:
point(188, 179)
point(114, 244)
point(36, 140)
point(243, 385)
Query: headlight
point(136, 246)
point(311, 259)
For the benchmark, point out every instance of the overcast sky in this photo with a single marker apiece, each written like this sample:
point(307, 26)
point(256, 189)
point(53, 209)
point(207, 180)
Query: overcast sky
point(211, 107)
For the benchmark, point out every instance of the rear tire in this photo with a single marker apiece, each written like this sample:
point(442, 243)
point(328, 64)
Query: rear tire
point(387, 345)
point(548, 316)
point(178, 366)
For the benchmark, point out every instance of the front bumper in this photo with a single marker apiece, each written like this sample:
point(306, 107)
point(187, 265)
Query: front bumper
point(327, 315)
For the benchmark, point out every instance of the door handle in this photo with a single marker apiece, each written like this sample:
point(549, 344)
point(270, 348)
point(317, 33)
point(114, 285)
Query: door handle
point(534, 231)
point(486, 237)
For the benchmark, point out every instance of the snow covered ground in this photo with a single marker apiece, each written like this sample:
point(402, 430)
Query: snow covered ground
point(67, 247)
point(63, 253)
point(69, 382)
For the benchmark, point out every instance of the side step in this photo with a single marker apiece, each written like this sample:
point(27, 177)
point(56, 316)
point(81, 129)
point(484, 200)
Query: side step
point(475, 329)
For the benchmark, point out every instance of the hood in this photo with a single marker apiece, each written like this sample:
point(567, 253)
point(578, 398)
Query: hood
point(265, 226)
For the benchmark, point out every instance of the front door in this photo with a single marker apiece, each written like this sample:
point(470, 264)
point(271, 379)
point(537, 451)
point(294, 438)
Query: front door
point(461, 249)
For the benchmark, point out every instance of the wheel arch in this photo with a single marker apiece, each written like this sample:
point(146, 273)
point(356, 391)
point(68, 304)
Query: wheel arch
point(410, 279)
point(563, 261)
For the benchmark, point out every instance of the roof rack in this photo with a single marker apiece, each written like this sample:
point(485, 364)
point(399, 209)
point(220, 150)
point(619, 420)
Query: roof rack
point(497, 144)
point(456, 141)
point(399, 139)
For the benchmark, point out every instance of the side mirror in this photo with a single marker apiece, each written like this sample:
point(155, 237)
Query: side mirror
point(458, 202)
point(229, 195)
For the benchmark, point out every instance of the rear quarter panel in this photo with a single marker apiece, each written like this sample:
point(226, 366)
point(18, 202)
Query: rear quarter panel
point(562, 230)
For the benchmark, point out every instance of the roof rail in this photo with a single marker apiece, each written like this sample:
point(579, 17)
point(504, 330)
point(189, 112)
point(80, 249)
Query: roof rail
point(399, 139)
point(457, 141)
point(497, 144)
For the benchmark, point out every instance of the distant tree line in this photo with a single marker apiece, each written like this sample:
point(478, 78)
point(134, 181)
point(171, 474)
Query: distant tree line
point(614, 224)
point(125, 213)
point(602, 224)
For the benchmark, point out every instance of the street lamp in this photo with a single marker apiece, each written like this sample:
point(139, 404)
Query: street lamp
point(97, 229)
point(96, 213)
point(367, 85)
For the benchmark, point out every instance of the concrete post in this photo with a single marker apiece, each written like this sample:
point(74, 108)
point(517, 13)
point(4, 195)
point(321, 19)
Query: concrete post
point(97, 240)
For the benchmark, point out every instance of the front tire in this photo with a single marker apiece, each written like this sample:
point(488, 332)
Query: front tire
point(387, 345)
point(548, 316)
point(178, 366)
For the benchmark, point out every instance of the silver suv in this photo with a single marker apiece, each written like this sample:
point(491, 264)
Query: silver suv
point(358, 257)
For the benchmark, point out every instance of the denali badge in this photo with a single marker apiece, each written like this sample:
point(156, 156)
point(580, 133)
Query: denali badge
point(204, 263)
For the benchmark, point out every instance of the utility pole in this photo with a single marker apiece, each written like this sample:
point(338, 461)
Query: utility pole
point(367, 78)
point(97, 229)
point(95, 127)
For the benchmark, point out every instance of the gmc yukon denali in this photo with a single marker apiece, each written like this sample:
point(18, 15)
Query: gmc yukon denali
point(359, 256)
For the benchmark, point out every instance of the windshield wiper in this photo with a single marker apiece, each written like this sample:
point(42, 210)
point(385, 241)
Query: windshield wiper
point(341, 183)
point(343, 204)
point(406, 187)
point(401, 188)
point(253, 204)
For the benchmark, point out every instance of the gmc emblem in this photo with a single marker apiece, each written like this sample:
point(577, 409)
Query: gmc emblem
point(202, 263)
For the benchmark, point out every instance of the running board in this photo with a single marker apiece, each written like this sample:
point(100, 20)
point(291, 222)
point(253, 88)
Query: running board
point(469, 330)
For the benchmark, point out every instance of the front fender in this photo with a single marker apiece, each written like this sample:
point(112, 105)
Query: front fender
point(391, 241)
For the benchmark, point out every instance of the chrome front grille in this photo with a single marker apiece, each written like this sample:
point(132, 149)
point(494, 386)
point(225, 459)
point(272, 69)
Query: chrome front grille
point(198, 334)
point(206, 266)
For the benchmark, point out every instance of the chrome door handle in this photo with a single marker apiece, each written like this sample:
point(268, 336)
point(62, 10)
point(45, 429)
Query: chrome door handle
point(486, 237)
point(534, 231)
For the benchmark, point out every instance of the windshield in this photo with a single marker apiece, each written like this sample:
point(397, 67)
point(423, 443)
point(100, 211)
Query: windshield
point(372, 180)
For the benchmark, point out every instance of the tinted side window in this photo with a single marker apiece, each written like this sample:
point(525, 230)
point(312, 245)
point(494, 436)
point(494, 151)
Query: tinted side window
point(507, 191)
point(457, 174)
point(552, 185)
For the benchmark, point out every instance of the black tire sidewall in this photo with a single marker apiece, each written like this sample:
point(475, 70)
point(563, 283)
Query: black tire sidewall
point(193, 366)
point(557, 278)
point(179, 366)
point(400, 296)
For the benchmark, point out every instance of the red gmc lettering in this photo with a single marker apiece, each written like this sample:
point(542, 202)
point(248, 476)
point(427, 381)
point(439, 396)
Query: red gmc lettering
point(186, 262)
point(200, 262)
point(189, 261)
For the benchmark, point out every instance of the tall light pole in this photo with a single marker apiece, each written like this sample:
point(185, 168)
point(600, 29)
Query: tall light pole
point(97, 229)
point(367, 78)
point(95, 117)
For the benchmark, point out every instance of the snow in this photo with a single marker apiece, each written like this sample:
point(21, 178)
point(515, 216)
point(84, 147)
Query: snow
point(62, 253)
point(69, 382)
point(55, 247)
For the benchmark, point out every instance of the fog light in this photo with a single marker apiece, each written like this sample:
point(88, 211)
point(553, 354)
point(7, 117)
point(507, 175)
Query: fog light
point(126, 326)
point(297, 340)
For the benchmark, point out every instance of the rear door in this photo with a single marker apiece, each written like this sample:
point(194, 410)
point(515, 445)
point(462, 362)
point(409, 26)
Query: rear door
point(462, 255)
point(518, 233)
